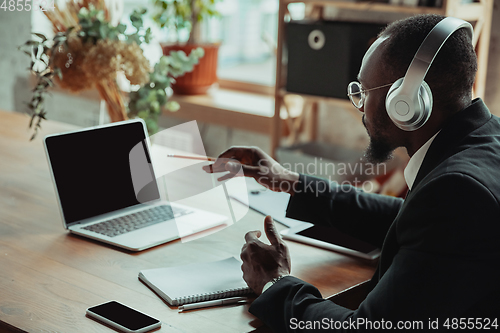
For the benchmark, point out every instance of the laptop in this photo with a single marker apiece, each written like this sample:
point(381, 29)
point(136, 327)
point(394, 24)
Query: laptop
point(91, 171)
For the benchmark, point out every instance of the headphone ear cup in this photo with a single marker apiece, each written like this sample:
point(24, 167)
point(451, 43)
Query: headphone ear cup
point(417, 112)
point(426, 101)
point(391, 100)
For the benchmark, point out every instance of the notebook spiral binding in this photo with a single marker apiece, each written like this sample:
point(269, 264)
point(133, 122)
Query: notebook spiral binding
point(212, 296)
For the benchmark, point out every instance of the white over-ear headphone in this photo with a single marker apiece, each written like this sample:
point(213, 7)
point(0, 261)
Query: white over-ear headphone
point(409, 100)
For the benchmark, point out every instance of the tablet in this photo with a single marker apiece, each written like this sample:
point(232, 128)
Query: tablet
point(332, 239)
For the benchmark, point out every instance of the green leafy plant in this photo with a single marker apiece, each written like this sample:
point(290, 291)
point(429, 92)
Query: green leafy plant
point(94, 26)
point(147, 102)
point(38, 50)
point(184, 14)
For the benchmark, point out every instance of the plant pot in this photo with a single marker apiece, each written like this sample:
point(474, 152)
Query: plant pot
point(204, 74)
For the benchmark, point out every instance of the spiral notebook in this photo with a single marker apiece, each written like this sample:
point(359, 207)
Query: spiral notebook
point(197, 282)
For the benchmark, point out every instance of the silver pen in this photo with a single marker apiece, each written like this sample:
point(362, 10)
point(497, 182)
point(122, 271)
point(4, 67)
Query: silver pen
point(200, 305)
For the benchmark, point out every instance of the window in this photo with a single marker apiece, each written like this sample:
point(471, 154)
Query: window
point(247, 31)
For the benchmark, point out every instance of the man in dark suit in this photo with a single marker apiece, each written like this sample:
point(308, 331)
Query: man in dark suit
point(440, 246)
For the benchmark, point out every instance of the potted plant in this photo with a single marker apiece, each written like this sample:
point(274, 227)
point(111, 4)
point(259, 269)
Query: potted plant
point(89, 51)
point(181, 16)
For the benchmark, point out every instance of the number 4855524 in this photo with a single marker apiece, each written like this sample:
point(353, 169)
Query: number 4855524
point(471, 323)
point(27, 5)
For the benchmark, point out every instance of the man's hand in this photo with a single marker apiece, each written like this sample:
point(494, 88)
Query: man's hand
point(257, 164)
point(262, 262)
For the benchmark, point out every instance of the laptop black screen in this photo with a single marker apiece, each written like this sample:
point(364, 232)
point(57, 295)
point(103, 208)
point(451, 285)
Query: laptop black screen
point(92, 172)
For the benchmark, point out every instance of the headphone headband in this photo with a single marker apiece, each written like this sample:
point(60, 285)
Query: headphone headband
point(428, 50)
point(409, 100)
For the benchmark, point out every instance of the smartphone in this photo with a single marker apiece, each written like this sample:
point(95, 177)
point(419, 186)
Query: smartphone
point(123, 317)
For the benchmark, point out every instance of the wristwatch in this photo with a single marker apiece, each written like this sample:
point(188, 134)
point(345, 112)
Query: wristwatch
point(273, 281)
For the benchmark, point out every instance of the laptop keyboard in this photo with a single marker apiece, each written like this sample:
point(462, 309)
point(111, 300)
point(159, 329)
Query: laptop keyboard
point(145, 218)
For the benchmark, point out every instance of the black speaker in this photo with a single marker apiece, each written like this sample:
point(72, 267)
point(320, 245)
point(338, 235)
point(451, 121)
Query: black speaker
point(324, 56)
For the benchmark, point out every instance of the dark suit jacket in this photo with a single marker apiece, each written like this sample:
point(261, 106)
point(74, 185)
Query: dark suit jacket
point(440, 246)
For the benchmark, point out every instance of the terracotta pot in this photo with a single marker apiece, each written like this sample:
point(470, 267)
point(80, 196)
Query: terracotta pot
point(204, 73)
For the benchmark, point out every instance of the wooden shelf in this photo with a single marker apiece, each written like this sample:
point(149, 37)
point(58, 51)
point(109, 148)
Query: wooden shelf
point(235, 109)
point(338, 101)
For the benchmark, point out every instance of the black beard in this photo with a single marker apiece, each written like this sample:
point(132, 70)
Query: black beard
point(378, 151)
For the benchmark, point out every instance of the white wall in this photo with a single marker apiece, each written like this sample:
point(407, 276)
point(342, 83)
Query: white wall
point(15, 29)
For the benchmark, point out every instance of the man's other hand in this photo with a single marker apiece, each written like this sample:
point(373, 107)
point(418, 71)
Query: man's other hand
point(262, 262)
point(255, 163)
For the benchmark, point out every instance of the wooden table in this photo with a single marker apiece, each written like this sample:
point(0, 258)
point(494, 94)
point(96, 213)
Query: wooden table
point(49, 277)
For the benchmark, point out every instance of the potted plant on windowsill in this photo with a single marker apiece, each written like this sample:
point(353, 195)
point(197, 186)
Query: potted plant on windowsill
point(181, 16)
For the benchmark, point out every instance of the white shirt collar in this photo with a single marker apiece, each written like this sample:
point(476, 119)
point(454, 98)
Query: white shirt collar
point(415, 162)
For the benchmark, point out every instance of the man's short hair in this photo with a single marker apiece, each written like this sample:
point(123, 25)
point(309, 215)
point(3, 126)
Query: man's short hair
point(453, 71)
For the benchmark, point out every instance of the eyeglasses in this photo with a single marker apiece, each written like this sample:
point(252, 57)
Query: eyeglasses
point(357, 95)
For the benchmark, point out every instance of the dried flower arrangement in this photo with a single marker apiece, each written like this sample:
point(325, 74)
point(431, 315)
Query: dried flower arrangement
point(88, 51)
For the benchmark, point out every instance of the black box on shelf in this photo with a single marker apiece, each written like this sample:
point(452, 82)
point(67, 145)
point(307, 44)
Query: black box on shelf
point(324, 56)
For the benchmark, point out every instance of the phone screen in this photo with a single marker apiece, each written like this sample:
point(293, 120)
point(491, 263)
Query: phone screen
point(123, 315)
point(334, 236)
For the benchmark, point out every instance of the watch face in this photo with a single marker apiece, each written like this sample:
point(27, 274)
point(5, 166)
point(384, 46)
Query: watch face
point(273, 281)
point(267, 286)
